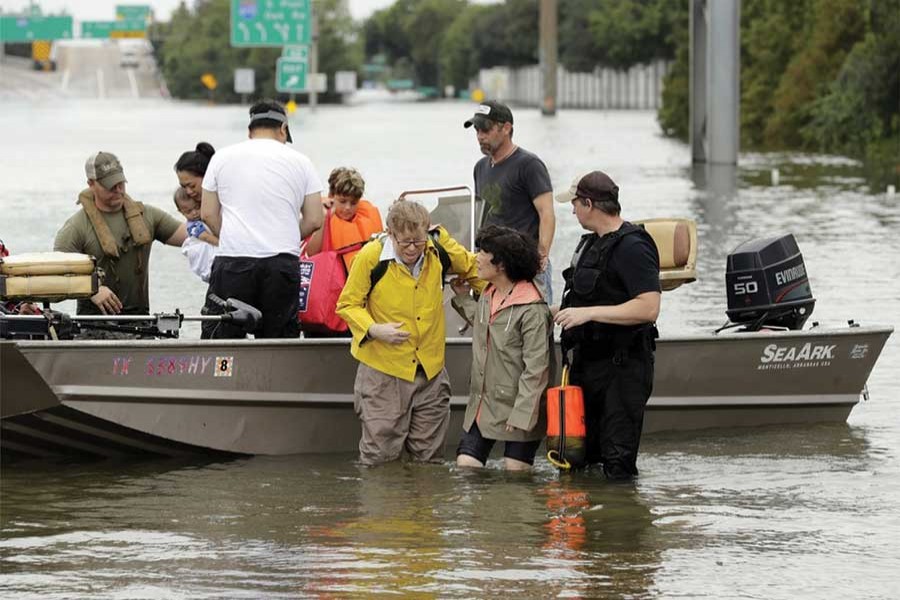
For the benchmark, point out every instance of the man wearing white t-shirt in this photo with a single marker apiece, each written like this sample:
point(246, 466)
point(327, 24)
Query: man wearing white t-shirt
point(261, 198)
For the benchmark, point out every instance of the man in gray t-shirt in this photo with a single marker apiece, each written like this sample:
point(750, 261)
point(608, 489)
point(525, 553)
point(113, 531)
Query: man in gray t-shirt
point(513, 183)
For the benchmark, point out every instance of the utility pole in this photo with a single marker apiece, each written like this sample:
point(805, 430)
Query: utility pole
point(549, 40)
point(312, 76)
point(715, 75)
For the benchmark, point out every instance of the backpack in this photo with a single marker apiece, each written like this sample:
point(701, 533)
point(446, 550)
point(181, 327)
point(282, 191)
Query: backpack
point(381, 268)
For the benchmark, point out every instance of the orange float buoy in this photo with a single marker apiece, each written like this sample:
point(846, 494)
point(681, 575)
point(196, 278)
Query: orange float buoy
point(566, 432)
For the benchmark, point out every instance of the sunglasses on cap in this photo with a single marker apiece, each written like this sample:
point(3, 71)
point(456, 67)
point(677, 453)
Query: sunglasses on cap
point(483, 124)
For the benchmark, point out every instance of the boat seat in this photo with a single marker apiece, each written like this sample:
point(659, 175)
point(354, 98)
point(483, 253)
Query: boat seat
point(48, 276)
point(676, 241)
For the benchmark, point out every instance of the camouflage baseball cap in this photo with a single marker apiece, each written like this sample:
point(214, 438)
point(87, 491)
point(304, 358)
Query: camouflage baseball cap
point(105, 168)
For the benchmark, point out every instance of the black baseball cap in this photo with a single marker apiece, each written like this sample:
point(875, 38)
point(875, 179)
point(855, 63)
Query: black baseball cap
point(489, 111)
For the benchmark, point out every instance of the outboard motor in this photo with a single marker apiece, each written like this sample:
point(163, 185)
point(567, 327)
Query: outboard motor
point(767, 284)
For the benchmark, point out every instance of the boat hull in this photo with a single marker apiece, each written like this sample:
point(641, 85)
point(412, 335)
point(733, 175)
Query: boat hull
point(110, 398)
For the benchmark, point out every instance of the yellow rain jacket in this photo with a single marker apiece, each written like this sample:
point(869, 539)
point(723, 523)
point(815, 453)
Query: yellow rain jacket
point(401, 298)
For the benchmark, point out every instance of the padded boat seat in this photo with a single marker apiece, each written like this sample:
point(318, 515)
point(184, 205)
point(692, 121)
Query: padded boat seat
point(676, 241)
point(48, 276)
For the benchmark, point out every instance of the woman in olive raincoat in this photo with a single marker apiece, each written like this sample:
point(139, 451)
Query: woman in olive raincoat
point(512, 345)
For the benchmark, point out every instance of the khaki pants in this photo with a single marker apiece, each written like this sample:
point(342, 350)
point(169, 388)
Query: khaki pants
point(398, 414)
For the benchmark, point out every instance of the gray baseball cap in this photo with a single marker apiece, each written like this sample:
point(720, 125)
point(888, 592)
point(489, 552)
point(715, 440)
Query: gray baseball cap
point(104, 168)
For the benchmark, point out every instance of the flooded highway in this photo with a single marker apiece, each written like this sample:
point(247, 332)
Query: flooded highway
point(805, 511)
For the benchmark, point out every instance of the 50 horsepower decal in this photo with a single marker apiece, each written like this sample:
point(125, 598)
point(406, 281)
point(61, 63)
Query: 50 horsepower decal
point(776, 357)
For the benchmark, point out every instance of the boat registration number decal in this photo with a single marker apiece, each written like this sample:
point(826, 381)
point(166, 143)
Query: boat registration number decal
point(224, 366)
point(192, 365)
point(859, 351)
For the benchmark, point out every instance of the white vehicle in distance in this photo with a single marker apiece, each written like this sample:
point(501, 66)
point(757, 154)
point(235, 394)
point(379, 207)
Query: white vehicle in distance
point(132, 51)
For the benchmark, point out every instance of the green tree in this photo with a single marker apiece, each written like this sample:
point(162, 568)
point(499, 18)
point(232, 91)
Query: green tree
point(385, 32)
point(860, 113)
point(426, 25)
point(817, 74)
point(460, 59)
point(447, 41)
point(578, 49)
point(630, 32)
point(507, 35)
point(674, 113)
point(340, 42)
point(412, 31)
point(772, 32)
point(836, 26)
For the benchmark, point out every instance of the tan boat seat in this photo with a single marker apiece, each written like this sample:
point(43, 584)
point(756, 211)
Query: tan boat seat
point(676, 241)
point(48, 276)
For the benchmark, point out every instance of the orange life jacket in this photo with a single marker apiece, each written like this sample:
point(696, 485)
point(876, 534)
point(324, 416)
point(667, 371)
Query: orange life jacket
point(366, 222)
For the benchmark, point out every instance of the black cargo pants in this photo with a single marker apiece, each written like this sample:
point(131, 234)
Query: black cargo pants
point(616, 390)
point(270, 284)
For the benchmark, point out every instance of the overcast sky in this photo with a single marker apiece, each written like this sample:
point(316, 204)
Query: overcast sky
point(105, 10)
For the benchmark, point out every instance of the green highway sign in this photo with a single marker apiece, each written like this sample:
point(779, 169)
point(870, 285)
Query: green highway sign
point(296, 52)
point(113, 29)
point(290, 75)
point(28, 29)
point(128, 12)
point(270, 22)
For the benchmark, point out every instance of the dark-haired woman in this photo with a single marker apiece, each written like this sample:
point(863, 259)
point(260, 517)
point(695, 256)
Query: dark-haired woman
point(512, 344)
point(191, 167)
point(199, 247)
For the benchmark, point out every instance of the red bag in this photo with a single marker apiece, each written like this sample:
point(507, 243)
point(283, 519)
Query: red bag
point(322, 278)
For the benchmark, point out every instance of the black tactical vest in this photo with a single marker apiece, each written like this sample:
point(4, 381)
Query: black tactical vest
point(590, 283)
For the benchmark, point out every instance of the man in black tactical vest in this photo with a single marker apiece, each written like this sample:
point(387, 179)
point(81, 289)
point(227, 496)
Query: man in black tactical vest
point(609, 306)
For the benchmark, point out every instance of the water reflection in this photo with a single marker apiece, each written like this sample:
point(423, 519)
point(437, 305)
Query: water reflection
point(831, 441)
point(715, 207)
point(324, 526)
point(397, 536)
point(610, 529)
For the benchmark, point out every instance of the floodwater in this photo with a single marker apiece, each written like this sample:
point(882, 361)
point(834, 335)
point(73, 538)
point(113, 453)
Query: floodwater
point(776, 512)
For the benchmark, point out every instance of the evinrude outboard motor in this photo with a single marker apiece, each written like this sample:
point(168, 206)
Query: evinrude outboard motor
point(767, 284)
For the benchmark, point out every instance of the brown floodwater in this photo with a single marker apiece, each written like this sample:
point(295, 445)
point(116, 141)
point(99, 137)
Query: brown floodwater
point(778, 512)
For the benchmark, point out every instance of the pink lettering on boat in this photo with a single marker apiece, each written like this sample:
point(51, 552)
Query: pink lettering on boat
point(168, 366)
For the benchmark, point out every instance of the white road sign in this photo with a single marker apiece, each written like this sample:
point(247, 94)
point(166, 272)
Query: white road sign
point(345, 82)
point(244, 81)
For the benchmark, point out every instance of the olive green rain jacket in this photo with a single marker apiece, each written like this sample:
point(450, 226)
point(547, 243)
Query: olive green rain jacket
point(512, 360)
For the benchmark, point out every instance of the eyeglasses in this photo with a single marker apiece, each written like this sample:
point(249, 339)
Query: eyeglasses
point(410, 243)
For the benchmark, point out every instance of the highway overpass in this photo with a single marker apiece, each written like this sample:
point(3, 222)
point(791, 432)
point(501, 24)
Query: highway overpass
point(85, 69)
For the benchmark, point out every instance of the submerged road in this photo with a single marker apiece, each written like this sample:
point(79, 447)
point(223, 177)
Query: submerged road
point(84, 70)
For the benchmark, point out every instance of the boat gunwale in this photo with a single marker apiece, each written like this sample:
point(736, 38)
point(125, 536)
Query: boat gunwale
point(452, 341)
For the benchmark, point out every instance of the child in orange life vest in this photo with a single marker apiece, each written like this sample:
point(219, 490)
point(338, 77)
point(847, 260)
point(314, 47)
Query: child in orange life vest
point(200, 245)
point(357, 219)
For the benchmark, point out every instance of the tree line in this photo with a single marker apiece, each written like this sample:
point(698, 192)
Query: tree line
point(819, 75)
